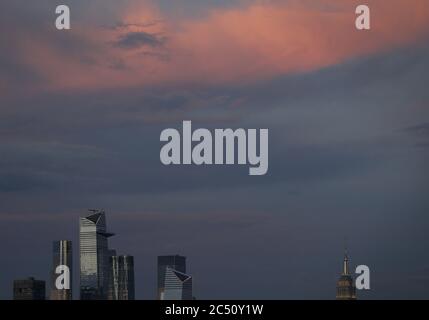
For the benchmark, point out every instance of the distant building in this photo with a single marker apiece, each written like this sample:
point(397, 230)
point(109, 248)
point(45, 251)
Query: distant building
point(174, 262)
point(111, 253)
point(62, 255)
point(94, 256)
point(29, 289)
point(121, 280)
point(346, 289)
point(178, 286)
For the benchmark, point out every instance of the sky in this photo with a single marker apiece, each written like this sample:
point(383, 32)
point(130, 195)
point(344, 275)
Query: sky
point(81, 112)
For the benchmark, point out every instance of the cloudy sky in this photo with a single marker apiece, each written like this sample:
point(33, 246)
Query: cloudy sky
point(81, 112)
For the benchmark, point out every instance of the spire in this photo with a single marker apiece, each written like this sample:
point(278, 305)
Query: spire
point(346, 263)
point(346, 289)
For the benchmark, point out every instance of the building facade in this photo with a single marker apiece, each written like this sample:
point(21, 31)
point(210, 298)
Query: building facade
point(175, 262)
point(121, 280)
point(29, 289)
point(346, 289)
point(178, 285)
point(62, 256)
point(94, 256)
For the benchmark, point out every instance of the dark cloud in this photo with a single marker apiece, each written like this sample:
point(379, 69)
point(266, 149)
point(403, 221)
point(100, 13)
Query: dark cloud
point(422, 145)
point(420, 129)
point(133, 40)
point(420, 133)
point(126, 26)
point(24, 182)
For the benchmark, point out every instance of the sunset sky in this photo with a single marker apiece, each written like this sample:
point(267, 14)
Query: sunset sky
point(81, 112)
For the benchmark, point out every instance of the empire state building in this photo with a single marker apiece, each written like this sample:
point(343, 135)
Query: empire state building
point(346, 289)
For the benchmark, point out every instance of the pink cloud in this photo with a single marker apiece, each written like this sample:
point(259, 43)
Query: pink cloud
point(260, 41)
point(267, 40)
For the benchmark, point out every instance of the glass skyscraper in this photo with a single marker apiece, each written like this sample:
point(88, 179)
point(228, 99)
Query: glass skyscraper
point(62, 255)
point(175, 262)
point(121, 280)
point(178, 285)
point(94, 256)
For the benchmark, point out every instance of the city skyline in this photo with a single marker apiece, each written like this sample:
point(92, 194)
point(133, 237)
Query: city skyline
point(103, 274)
point(173, 281)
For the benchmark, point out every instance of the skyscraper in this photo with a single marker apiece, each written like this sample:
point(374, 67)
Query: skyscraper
point(121, 280)
point(94, 256)
point(178, 286)
point(175, 262)
point(62, 255)
point(346, 289)
point(29, 289)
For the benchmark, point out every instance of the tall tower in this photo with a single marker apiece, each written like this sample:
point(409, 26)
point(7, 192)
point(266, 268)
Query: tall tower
point(175, 262)
point(178, 286)
point(94, 256)
point(62, 255)
point(346, 289)
point(121, 280)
